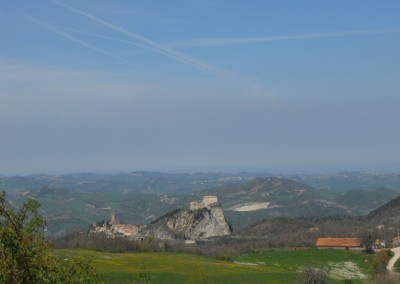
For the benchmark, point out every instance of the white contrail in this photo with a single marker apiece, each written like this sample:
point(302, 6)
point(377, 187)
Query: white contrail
point(198, 64)
point(70, 37)
point(112, 39)
point(158, 47)
point(201, 42)
point(105, 37)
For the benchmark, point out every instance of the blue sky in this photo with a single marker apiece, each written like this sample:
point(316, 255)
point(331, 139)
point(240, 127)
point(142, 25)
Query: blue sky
point(191, 85)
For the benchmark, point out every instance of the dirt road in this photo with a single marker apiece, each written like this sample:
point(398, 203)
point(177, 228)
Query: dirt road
point(394, 258)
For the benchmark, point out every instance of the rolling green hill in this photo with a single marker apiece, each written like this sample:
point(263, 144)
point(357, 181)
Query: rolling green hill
point(360, 202)
point(382, 223)
point(388, 214)
point(72, 202)
point(272, 197)
point(66, 210)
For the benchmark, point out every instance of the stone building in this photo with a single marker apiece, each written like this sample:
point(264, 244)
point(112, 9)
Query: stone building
point(207, 202)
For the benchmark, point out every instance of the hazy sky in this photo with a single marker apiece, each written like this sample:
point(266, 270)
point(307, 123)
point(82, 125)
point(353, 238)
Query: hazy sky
point(188, 85)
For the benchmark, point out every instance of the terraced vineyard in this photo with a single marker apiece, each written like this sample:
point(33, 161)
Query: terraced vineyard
point(277, 266)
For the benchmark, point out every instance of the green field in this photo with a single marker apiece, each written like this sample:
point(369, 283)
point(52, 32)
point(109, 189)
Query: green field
point(278, 266)
point(397, 266)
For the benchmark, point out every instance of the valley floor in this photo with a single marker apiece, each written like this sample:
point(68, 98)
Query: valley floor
point(272, 266)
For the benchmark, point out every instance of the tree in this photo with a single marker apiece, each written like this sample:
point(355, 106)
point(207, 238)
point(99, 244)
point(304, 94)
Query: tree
point(380, 261)
point(368, 238)
point(25, 256)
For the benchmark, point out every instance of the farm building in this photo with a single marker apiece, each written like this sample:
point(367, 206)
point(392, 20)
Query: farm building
point(339, 243)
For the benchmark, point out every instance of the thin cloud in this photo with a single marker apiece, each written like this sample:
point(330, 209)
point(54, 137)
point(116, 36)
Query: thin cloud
point(167, 51)
point(70, 37)
point(202, 42)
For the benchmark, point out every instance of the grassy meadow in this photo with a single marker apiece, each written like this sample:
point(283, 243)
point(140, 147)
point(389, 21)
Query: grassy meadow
point(275, 266)
point(397, 266)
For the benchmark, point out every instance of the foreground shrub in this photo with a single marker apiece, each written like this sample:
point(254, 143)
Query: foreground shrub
point(25, 256)
point(313, 275)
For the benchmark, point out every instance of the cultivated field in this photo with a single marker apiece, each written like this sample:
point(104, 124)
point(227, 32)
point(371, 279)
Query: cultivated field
point(275, 266)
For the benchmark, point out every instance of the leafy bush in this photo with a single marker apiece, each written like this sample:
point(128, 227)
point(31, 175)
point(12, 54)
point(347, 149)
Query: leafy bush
point(313, 275)
point(380, 262)
point(25, 256)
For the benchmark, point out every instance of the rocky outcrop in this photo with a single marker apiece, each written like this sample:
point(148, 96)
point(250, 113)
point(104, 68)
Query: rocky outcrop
point(202, 220)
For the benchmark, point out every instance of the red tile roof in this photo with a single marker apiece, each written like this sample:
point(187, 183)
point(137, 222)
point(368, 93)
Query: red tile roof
point(338, 242)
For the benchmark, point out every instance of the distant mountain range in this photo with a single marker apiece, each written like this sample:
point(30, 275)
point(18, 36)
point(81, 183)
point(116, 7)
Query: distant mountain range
point(345, 181)
point(144, 182)
point(72, 202)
